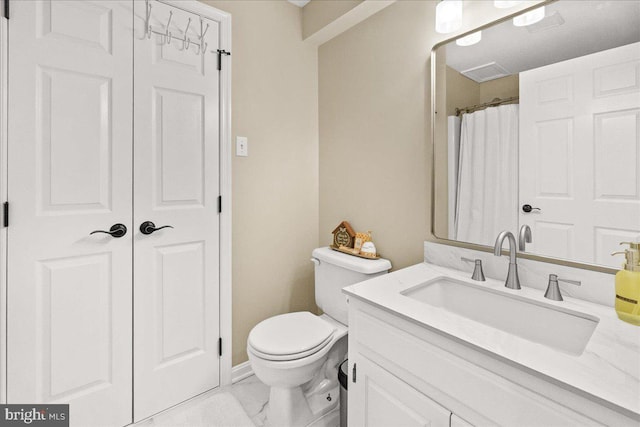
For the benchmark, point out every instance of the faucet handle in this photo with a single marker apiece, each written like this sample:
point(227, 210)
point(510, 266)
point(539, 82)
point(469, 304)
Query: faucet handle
point(573, 282)
point(478, 274)
point(553, 290)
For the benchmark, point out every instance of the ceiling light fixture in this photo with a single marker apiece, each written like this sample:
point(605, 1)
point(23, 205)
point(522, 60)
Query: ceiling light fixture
point(504, 4)
point(529, 18)
point(448, 16)
point(469, 40)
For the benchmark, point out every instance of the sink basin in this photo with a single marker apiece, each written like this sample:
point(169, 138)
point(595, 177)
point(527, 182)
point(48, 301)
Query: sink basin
point(556, 327)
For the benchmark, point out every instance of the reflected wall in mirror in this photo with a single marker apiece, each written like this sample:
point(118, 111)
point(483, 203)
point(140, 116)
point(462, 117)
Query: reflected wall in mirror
point(540, 125)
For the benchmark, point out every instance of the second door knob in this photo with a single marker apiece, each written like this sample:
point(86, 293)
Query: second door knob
point(149, 227)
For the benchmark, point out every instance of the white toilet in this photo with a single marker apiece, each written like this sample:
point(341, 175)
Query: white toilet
point(297, 354)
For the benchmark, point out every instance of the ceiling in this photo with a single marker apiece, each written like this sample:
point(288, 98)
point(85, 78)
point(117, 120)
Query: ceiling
point(570, 29)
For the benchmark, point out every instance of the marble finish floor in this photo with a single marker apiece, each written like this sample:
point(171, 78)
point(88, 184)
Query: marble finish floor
point(252, 395)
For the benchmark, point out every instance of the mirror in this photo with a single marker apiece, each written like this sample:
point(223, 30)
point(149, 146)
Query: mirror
point(539, 125)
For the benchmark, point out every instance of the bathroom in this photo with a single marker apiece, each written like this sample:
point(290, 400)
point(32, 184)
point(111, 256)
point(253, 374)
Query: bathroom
point(335, 100)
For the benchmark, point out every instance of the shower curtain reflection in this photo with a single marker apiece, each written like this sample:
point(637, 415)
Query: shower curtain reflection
point(487, 187)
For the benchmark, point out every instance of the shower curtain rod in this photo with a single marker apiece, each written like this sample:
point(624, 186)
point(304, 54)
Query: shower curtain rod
point(494, 102)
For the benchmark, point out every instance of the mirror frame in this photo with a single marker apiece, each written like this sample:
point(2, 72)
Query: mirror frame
point(474, 246)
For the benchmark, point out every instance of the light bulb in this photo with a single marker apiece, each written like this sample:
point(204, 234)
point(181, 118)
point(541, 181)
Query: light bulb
point(472, 38)
point(529, 18)
point(504, 4)
point(448, 16)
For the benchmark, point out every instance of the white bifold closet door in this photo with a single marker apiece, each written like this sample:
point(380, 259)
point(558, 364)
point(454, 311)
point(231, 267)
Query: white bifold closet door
point(106, 127)
point(70, 173)
point(176, 274)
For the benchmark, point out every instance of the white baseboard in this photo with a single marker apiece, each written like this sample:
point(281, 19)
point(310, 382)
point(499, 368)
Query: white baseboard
point(241, 371)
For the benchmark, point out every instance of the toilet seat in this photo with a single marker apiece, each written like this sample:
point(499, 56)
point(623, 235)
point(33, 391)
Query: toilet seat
point(290, 357)
point(290, 336)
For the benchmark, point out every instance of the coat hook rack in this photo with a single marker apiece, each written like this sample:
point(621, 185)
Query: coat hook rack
point(168, 37)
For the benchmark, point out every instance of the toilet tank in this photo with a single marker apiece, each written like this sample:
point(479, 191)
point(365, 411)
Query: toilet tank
point(335, 270)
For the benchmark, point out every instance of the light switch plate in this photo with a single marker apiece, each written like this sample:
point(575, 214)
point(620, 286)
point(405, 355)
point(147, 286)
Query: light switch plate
point(242, 146)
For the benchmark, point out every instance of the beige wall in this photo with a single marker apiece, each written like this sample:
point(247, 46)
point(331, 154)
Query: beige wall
point(317, 14)
point(375, 125)
point(464, 92)
point(275, 189)
point(461, 91)
point(502, 88)
point(373, 103)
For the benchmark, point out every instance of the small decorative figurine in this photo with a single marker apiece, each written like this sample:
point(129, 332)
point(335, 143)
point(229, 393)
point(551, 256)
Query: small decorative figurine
point(360, 239)
point(343, 235)
point(369, 250)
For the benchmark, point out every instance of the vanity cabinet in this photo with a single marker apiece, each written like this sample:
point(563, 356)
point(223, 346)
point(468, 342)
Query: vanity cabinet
point(408, 374)
point(383, 399)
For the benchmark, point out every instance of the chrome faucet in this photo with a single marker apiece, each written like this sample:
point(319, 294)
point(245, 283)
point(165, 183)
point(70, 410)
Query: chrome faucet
point(512, 281)
point(524, 237)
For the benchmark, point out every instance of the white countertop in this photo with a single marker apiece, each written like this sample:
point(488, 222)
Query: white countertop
point(607, 370)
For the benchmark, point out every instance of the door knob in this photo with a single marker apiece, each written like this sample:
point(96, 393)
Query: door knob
point(149, 227)
point(529, 208)
point(116, 230)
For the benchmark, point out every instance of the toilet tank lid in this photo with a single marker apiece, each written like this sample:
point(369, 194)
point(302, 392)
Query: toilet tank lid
point(353, 263)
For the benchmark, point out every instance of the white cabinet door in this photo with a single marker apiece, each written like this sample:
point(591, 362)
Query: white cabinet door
point(69, 311)
point(580, 155)
point(379, 399)
point(176, 270)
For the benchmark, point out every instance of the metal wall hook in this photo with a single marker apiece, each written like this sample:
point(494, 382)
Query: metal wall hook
point(203, 33)
point(203, 45)
point(185, 41)
point(167, 33)
point(169, 22)
point(147, 22)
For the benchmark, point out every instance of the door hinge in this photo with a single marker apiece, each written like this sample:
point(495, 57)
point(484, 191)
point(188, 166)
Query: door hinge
point(220, 346)
point(220, 53)
point(6, 9)
point(5, 214)
point(219, 204)
point(353, 373)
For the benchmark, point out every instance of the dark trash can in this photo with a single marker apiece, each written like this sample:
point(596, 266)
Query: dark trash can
point(343, 378)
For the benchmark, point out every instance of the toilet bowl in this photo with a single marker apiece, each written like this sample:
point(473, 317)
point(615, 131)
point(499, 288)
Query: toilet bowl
point(297, 354)
point(294, 398)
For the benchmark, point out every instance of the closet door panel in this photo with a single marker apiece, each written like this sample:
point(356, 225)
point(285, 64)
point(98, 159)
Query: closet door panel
point(176, 180)
point(70, 126)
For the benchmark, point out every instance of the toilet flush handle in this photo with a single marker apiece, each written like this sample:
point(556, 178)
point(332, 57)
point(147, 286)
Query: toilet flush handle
point(316, 261)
